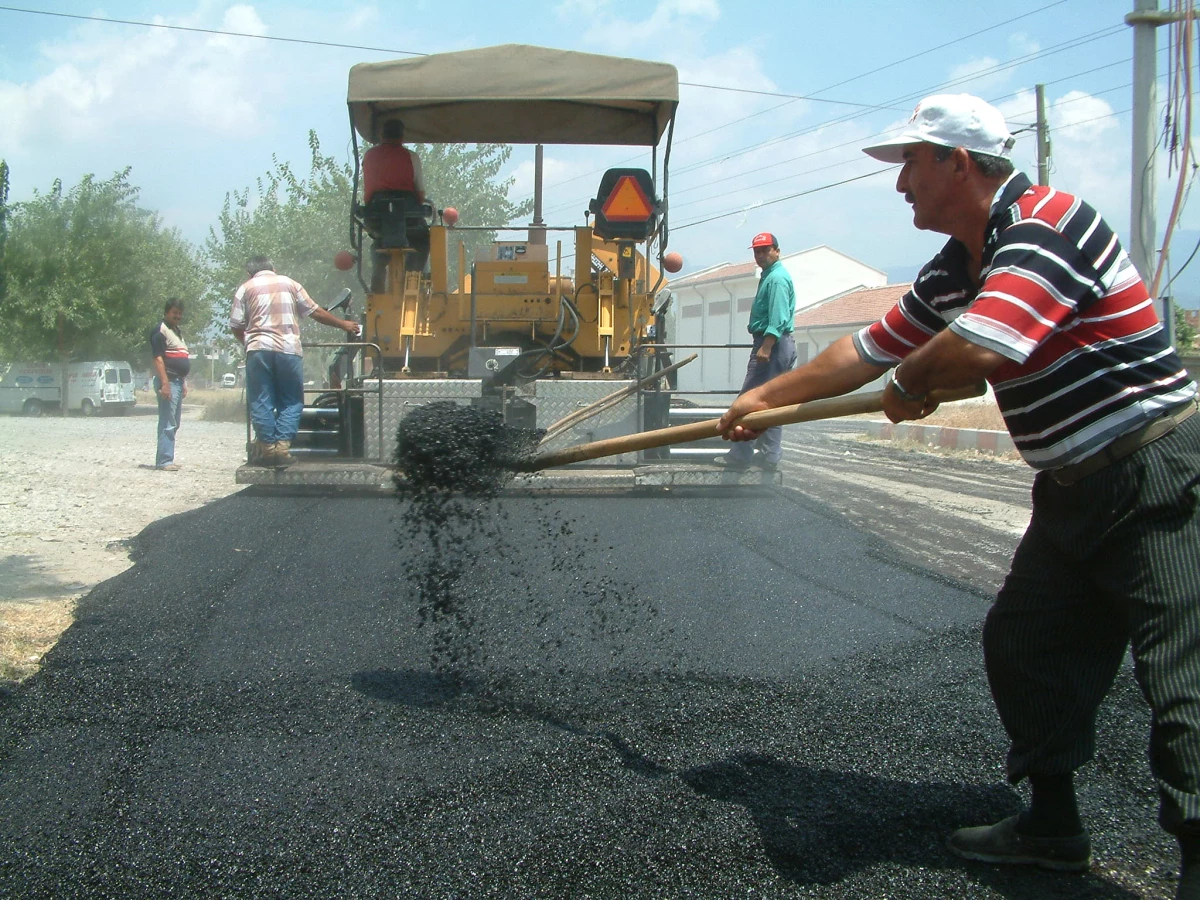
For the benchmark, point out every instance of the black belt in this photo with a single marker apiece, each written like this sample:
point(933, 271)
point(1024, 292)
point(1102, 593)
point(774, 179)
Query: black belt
point(1125, 445)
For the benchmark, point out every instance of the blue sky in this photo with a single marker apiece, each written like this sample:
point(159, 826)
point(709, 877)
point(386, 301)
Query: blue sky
point(198, 114)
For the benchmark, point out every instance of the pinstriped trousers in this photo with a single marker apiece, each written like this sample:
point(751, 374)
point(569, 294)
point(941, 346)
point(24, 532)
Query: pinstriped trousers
point(1110, 562)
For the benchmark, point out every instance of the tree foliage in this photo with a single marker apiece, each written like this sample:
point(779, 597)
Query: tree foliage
point(301, 223)
point(87, 272)
point(3, 223)
point(464, 176)
point(1185, 334)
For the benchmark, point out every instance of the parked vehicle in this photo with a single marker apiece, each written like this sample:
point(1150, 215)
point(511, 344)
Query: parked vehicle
point(228, 380)
point(29, 388)
point(100, 387)
point(103, 386)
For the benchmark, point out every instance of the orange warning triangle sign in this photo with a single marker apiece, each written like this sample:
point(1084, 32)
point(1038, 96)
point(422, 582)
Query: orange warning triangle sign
point(627, 202)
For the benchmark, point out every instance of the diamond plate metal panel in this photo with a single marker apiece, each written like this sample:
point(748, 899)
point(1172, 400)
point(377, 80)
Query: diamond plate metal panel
point(558, 399)
point(402, 396)
point(337, 475)
point(553, 399)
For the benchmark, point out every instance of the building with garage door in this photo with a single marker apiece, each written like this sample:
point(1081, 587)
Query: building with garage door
point(712, 307)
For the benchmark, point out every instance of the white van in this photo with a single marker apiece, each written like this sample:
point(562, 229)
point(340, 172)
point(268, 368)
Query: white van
point(229, 379)
point(105, 386)
point(100, 387)
point(28, 388)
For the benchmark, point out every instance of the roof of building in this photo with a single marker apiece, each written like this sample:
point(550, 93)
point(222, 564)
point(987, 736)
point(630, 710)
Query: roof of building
point(716, 273)
point(725, 271)
point(860, 306)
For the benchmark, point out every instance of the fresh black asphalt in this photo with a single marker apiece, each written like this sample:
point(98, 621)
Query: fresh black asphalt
point(642, 696)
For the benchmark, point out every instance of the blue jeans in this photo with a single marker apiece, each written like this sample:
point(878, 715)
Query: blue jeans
point(782, 359)
point(275, 388)
point(169, 412)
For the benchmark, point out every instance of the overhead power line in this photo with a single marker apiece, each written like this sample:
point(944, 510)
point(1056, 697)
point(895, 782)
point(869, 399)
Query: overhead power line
point(812, 96)
point(1069, 44)
point(216, 31)
point(744, 209)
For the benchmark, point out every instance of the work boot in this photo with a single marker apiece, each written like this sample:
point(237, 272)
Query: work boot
point(262, 453)
point(1002, 843)
point(281, 456)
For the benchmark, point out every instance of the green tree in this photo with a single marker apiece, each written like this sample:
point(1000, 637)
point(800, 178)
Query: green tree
point(301, 223)
point(465, 176)
point(1185, 334)
point(3, 222)
point(87, 272)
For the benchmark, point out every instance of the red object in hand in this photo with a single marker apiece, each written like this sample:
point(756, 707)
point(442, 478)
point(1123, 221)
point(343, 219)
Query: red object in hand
point(673, 262)
point(344, 260)
point(450, 216)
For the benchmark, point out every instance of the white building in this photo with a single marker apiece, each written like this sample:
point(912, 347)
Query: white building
point(712, 307)
point(819, 326)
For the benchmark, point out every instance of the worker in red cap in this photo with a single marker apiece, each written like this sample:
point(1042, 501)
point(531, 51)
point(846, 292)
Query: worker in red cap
point(772, 318)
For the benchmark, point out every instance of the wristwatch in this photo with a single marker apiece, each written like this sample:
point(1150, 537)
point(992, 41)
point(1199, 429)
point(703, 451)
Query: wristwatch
point(904, 395)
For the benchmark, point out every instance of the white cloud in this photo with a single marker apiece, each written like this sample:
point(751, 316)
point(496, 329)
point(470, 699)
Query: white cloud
point(976, 76)
point(106, 80)
point(673, 27)
point(1021, 44)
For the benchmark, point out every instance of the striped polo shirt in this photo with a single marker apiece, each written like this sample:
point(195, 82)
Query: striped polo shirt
point(269, 308)
point(1088, 360)
point(168, 343)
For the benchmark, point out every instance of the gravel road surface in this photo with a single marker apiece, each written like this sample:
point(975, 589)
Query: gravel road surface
point(769, 694)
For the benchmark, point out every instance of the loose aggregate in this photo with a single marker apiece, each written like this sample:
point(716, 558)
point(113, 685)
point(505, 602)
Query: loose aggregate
point(269, 715)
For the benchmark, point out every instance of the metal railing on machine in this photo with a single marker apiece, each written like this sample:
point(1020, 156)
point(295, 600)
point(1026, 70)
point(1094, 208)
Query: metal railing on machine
point(656, 407)
point(314, 440)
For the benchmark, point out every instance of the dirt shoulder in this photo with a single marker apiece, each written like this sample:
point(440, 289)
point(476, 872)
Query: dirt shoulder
point(73, 491)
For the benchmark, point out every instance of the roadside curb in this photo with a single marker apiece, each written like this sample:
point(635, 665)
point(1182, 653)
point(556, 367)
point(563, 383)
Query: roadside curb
point(995, 442)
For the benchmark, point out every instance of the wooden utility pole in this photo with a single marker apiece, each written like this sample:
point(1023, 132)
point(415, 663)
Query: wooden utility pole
point(1043, 138)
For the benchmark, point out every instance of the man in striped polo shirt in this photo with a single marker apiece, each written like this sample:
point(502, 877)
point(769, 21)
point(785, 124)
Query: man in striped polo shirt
point(169, 354)
point(265, 317)
point(1034, 293)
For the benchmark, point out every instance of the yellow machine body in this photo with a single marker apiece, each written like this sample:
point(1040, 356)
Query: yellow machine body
point(587, 321)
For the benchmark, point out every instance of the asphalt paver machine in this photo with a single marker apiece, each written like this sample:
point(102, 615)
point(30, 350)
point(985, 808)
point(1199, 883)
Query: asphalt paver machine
point(546, 321)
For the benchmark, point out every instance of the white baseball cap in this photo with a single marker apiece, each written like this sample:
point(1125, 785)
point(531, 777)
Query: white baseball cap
point(950, 120)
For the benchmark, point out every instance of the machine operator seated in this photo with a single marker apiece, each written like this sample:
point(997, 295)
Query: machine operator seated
point(394, 204)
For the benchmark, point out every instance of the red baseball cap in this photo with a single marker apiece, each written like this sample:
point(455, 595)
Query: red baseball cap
point(764, 239)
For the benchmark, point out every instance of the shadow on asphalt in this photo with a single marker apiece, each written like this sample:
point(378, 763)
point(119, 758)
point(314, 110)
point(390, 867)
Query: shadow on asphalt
point(817, 826)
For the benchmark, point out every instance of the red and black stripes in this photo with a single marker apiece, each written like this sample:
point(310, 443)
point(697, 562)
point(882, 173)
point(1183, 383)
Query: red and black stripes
point(1061, 300)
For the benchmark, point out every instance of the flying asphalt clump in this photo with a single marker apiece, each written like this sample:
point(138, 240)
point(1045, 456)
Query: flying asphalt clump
point(448, 448)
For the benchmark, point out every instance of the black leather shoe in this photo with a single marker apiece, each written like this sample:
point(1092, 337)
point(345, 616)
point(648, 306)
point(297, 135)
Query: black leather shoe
point(1002, 843)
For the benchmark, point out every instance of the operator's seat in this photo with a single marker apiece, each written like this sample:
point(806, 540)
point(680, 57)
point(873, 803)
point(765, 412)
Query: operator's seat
point(390, 215)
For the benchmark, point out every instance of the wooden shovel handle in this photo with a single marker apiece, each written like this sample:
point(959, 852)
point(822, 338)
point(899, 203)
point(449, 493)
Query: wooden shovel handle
point(848, 405)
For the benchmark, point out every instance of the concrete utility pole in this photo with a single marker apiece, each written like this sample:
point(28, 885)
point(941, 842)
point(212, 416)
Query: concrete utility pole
point(1043, 138)
point(537, 230)
point(1143, 224)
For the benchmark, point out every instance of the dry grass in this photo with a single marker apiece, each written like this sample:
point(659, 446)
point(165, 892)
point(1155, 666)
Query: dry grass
point(27, 632)
point(224, 406)
point(218, 404)
point(983, 416)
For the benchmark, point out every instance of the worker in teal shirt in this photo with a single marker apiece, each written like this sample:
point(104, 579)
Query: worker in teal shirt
point(772, 318)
